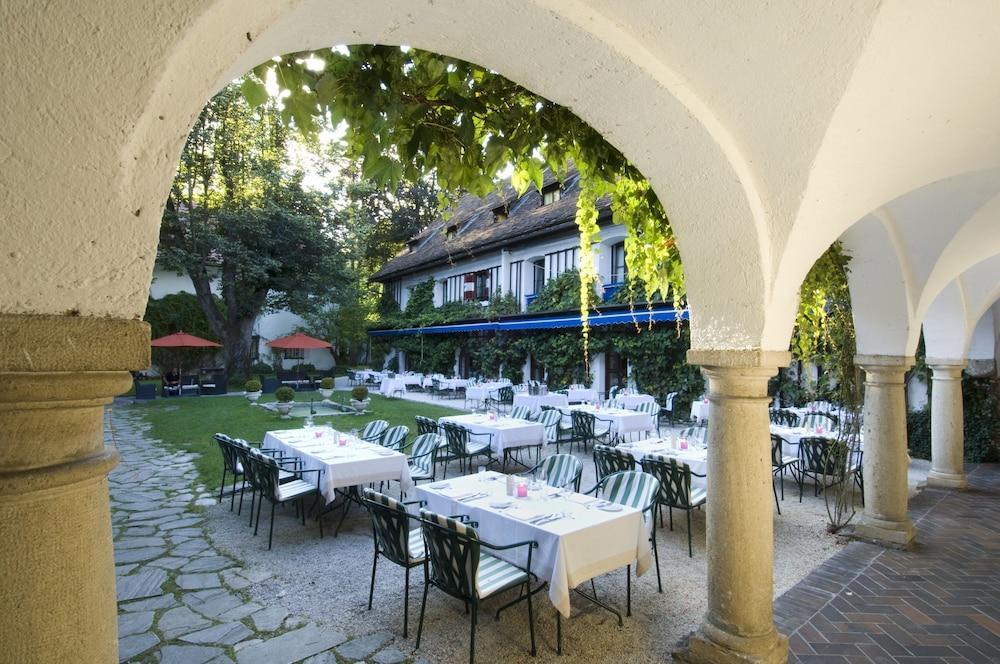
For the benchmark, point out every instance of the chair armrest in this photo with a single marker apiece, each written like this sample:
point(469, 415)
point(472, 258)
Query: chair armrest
point(421, 456)
point(497, 547)
point(415, 502)
point(465, 518)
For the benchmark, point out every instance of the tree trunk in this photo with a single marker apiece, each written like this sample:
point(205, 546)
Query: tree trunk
point(238, 351)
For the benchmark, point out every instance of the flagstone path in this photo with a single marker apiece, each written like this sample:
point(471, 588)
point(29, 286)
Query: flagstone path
point(181, 601)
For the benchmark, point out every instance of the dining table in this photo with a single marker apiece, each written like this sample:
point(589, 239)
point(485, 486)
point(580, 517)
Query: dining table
point(632, 401)
point(700, 409)
point(479, 392)
point(344, 460)
point(694, 455)
point(622, 421)
point(579, 536)
point(534, 402)
point(506, 433)
point(582, 395)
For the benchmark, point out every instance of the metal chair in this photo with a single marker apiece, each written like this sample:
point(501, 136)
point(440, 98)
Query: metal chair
point(395, 540)
point(230, 465)
point(423, 453)
point(522, 413)
point(652, 409)
point(587, 431)
point(560, 470)
point(610, 460)
point(425, 424)
point(265, 472)
point(675, 490)
point(457, 565)
point(395, 438)
point(504, 399)
point(372, 433)
point(818, 460)
point(779, 462)
point(463, 448)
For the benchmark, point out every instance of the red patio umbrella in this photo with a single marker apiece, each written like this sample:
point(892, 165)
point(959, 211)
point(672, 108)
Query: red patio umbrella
point(183, 340)
point(299, 340)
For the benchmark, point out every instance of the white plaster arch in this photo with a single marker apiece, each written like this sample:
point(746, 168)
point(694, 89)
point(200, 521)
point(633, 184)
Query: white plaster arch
point(916, 111)
point(682, 147)
point(958, 309)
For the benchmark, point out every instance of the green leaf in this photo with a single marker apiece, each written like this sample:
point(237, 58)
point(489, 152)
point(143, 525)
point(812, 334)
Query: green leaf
point(255, 93)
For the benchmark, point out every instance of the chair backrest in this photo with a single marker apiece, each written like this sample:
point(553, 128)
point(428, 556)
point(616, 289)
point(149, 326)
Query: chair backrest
point(583, 425)
point(819, 455)
point(649, 407)
point(228, 451)
point(242, 450)
point(613, 392)
point(457, 437)
point(813, 420)
point(550, 419)
point(395, 438)
point(425, 424)
point(674, 479)
point(452, 554)
point(424, 451)
point(265, 473)
point(562, 470)
point(610, 460)
point(373, 430)
point(521, 413)
point(693, 433)
point(631, 488)
point(668, 402)
point(390, 526)
point(506, 395)
point(776, 447)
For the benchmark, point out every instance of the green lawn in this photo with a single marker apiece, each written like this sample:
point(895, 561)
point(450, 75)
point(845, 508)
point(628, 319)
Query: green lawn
point(187, 423)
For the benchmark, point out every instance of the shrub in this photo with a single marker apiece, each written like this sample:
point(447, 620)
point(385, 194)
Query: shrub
point(252, 385)
point(284, 394)
point(326, 383)
point(359, 393)
point(982, 427)
point(306, 369)
point(262, 368)
point(918, 433)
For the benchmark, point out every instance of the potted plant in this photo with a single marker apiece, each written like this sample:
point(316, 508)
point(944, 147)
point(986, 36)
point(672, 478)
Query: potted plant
point(286, 399)
point(326, 387)
point(359, 398)
point(252, 390)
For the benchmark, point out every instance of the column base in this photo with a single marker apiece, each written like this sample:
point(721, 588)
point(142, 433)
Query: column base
point(947, 480)
point(700, 648)
point(897, 534)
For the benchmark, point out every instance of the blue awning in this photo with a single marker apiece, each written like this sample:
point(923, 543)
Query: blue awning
point(639, 316)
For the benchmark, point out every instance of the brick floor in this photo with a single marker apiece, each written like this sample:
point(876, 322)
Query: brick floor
point(939, 603)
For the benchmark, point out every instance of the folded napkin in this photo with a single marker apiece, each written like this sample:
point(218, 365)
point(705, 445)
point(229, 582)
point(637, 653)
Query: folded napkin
point(525, 513)
point(580, 499)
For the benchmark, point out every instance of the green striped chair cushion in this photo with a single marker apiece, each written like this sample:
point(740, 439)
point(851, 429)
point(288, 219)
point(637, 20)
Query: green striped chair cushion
point(632, 488)
point(391, 523)
point(422, 456)
point(649, 407)
point(813, 420)
point(495, 575)
point(521, 413)
point(395, 437)
point(675, 481)
point(694, 433)
point(561, 470)
point(550, 419)
point(374, 430)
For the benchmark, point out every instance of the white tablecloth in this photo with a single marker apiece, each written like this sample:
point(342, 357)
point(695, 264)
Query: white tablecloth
point(507, 432)
point(632, 401)
point(356, 463)
point(792, 436)
point(699, 409)
point(582, 394)
point(570, 551)
point(482, 391)
point(365, 374)
point(535, 402)
point(622, 421)
point(696, 457)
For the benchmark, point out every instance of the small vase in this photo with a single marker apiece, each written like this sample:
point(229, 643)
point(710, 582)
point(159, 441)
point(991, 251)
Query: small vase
point(252, 396)
point(284, 409)
point(326, 392)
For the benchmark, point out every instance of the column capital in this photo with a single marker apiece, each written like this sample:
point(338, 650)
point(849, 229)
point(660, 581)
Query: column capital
point(34, 343)
point(745, 358)
point(947, 368)
point(885, 362)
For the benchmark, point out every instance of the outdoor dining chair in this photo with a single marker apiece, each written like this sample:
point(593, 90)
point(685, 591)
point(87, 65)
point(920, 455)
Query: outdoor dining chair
point(652, 409)
point(818, 419)
point(639, 490)
point(456, 564)
point(822, 459)
point(372, 433)
point(230, 465)
point(522, 413)
point(588, 429)
point(560, 471)
point(696, 433)
point(462, 447)
point(423, 453)
point(425, 424)
point(668, 407)
point(265, 472)
point(609, 460)
point(241, 450)
point(395, 438)
point(779, 462)
point(551, 419)
point(675, 491)
point(504, 399)
point(397, 536)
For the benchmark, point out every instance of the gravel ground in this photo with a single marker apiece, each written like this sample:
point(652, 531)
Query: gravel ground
point(327, 581)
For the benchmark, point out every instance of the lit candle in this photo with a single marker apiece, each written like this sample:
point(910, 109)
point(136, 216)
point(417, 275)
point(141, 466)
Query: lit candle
point(522, 490)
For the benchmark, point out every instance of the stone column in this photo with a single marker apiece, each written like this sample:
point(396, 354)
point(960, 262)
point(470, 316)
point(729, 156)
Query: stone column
point(57, 574)
point(886, 462)
point(947, 425)
point(738, 626)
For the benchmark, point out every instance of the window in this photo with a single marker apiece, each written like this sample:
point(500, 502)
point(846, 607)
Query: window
point(559, 261)
point(501, 213)
point(395, 289)
point(619, 272)
point(480, 285)
point(551, 194)
point(514, 282)
point(255, 347)
point(295, 354)
point(537, 275)
point(450, 230)
point(453, 288)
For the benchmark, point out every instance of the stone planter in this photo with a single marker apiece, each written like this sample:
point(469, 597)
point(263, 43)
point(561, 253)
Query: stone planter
point(253, 396)
point(325, 392)
point(284, 409)
point(360, 406)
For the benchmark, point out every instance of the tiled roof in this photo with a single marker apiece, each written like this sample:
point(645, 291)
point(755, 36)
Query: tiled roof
point(478, 232)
